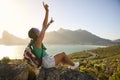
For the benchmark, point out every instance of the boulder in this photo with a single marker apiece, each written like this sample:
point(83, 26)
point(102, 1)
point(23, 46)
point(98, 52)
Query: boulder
point(61, 73)
point(13, 72)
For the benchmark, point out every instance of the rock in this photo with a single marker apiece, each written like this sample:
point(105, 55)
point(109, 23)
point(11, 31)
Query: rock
point(13, 72)
point(62, 74)
point(24, 72)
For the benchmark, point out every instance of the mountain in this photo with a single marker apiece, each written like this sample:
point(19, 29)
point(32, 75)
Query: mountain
point(9, 39)
point(62, 36)
point(117, 40)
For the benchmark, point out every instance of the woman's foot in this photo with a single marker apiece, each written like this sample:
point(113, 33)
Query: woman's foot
point(76, 64)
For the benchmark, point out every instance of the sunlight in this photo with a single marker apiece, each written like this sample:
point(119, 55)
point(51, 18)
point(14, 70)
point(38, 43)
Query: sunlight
point(12, 51)
point(4, 52)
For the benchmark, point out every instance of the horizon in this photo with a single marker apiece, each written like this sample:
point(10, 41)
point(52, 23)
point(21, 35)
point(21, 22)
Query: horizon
point(100, 17)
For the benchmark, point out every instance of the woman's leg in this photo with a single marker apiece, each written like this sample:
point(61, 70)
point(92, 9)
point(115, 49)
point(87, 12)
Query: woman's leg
point(62, 57)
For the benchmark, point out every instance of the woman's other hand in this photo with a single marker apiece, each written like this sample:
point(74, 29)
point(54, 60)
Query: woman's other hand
point(51, 21)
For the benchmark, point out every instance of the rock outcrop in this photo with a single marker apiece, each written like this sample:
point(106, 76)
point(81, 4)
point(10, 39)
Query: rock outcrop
point(62, 74)
point(21, 72)
point(13, 72)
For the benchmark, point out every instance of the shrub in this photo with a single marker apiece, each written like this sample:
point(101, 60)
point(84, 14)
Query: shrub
point(115, 76)
point(5, 60)
point(83, 69)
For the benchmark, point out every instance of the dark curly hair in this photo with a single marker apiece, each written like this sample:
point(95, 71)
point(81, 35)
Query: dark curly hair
point(32, 33)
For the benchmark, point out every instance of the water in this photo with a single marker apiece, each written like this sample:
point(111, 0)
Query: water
point(16, 52)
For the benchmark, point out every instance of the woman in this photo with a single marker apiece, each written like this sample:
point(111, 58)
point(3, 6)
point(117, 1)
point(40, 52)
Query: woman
point(39, 48)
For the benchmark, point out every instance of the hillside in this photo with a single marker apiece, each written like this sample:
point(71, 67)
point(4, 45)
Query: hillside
point(102, 63)
point(62, 36)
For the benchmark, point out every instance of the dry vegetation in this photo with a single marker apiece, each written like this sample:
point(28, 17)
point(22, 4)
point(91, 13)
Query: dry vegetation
point(105, 66)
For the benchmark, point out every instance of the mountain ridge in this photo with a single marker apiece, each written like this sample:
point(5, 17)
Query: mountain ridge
point(117, 40)
point(62, 36)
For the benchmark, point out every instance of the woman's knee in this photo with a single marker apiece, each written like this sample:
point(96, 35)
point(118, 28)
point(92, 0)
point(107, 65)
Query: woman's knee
point(60, 54)
point(63, 53)
point(59, 57)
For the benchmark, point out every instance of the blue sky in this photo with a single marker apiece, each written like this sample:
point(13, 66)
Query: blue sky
point(100, 17)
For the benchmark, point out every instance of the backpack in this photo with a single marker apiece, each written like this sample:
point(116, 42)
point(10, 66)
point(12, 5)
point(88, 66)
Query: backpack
point(30, 57)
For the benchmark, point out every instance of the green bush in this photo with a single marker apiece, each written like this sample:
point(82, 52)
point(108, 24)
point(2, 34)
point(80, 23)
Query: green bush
point(101, 76)
point(5, 60)
point(83, 69)
point(115, 76)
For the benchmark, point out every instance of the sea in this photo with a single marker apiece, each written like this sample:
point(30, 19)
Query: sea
point(16, 51)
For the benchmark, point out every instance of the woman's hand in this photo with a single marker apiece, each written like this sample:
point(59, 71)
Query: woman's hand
point(51, 21)
point(45, 6)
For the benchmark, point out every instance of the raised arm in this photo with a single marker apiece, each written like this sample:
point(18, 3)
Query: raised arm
point(44, 27)
point(45, 22)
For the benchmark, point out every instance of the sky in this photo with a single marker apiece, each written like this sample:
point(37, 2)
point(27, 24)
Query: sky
point(100, 17)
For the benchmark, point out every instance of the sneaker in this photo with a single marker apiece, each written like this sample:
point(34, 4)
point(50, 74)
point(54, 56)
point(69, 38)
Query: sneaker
point(76, 64)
